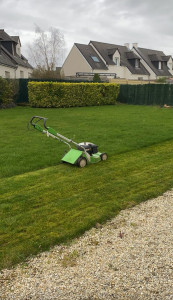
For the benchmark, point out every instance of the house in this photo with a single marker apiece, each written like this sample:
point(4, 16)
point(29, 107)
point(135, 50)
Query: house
point(12, 63)
point(114, 61)
point(106, 59)
point(156, 62)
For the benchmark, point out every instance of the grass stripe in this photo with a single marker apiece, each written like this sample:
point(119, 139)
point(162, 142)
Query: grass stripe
point(53, 205)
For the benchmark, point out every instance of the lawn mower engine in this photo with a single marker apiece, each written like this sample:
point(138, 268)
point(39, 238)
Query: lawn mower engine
point(89, 147)
point(91, 154)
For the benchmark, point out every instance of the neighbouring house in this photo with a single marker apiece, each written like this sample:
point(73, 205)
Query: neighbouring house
point(113, 61)
point(156, 62)
point(12, 63)
point(106, 59)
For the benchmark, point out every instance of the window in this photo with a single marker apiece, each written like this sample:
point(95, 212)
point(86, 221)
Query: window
point(7, 74)
point(95, 58)
point(116, 61)
point(160, 65)
point(21, 74)
point(136, 63)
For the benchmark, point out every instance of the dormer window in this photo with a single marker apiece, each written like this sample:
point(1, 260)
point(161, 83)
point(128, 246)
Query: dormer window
point(116, 61)
point(160, 65)
point(95, 59)
point(137, 63)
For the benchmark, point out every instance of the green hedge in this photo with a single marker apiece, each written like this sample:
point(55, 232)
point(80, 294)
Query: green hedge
point(56, 94)
point(22, 92)
point(6, 93)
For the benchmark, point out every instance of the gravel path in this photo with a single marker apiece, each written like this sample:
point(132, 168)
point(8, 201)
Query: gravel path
point(130, 257)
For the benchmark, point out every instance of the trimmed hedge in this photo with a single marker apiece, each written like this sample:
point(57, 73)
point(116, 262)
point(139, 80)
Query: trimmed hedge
point(56, 94)
point(6, 93)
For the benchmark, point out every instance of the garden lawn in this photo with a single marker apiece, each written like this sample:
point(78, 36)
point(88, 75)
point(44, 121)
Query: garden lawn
point(43, 202)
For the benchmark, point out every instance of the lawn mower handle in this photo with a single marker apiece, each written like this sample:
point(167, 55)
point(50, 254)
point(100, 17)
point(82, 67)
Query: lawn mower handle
point(38, 119)
point(54, 134)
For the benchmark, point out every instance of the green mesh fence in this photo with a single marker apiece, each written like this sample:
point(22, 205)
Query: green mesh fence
point(147, 94)
point(23, 91)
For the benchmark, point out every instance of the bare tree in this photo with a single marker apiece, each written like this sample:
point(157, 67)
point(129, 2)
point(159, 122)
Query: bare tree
point(47, 50)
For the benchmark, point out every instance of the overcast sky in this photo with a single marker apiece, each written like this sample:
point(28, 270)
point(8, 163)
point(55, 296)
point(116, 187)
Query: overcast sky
point(148, 22)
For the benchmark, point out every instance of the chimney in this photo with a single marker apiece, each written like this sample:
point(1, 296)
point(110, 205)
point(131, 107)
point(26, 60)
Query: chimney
point(127, 45)
point(135, 45)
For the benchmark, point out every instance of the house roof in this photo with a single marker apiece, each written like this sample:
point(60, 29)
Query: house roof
point(154, 57)
point(151, 56)
point(16, 39)
point(111, 51)
point(125, 56)
point(4, 36)
point(166, 58)
point(6, 58)
point(15, 59)
point(131, 55)
point(88, 52)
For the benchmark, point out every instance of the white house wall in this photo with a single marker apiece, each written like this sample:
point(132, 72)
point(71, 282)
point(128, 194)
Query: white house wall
point(26, 72)
point(119, 70)
point(15, 73)
point(129, 75)
point(75, 62)
point(4, 69)
point(123, 73)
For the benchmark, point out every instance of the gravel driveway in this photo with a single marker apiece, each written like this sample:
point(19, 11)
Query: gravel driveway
point(130, 257)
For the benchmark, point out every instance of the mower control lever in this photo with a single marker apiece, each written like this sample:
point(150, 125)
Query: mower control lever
point(38, 118)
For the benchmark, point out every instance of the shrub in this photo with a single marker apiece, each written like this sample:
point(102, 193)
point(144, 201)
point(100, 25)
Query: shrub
point(56, 94)
point(6, 93)
point(161, 80)
point(96, 78)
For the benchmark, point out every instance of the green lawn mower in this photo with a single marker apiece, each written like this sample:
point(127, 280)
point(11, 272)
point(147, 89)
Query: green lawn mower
point(85, 153)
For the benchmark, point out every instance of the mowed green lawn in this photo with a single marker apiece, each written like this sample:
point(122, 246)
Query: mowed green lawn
point(44, 202)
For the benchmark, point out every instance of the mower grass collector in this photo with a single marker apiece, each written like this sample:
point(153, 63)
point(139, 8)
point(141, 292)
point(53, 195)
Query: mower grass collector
point(84, 154)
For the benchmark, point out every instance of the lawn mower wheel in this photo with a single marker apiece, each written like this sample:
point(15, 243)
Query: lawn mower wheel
point(103, 156)
point(81, 162)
